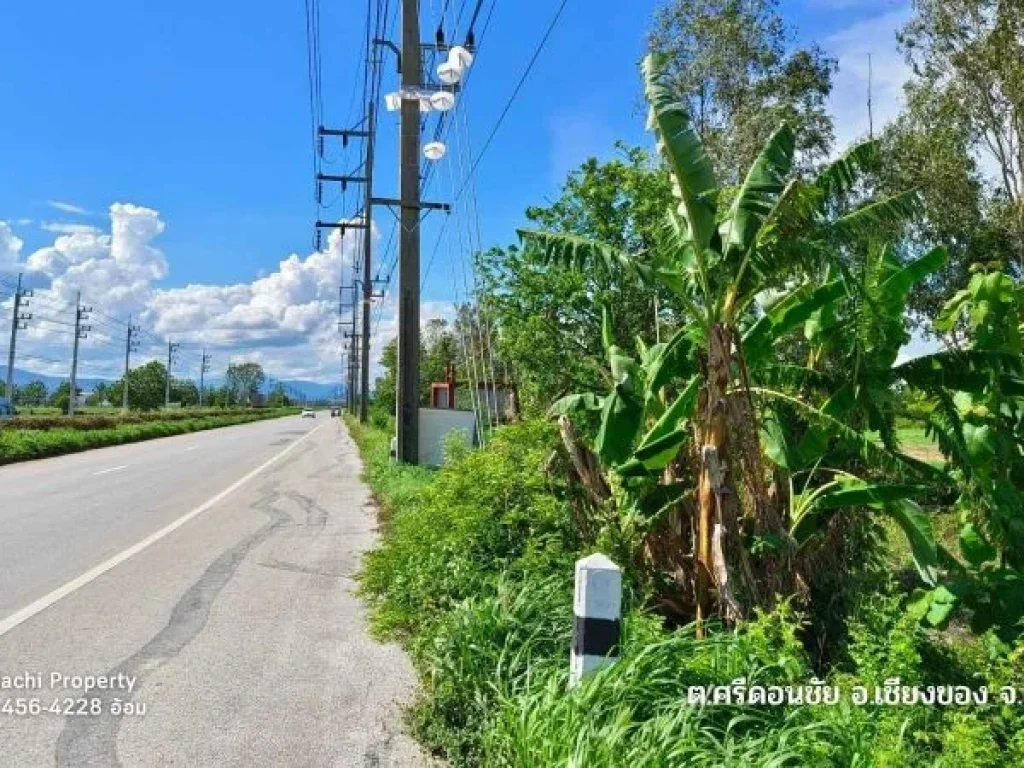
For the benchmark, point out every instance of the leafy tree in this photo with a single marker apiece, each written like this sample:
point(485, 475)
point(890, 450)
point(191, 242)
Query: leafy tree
point(185, 392)
point(437, 352)
point(221, 397)
point(978, 419)
point(278, 398)
point(146, 387)
point(546, 324)
point(100, 393)
point(245, 380)
point(968, 61)
point(60, 397)
point(727, 61)
point(928, 148)
point(385, 387)
point(951, 140)
point(32, 394)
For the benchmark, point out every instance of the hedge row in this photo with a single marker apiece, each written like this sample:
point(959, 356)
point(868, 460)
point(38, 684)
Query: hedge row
point(24, 444)
point(92, 422)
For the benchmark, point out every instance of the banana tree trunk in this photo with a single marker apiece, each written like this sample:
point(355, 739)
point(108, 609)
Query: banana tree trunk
point(712, 486)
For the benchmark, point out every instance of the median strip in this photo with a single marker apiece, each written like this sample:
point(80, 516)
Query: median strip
point(22, 439)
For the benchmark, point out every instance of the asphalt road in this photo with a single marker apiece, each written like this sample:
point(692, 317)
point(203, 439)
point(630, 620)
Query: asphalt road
point(204, 578)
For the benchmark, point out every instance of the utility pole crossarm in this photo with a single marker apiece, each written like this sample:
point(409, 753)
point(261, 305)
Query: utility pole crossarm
point(344, 133)
point(342, 225)
point(417, 205)
point(342, 179)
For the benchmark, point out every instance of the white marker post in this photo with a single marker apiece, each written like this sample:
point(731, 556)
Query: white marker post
point(597, 610)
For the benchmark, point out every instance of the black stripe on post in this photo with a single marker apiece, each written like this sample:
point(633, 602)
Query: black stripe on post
point(595, 637)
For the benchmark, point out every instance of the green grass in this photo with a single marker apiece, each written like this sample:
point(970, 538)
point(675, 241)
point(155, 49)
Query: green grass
point(474, 575)
point(914, 441)
point(18, 444)
point(394, 485)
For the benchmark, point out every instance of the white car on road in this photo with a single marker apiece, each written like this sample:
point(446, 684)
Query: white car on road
point(308, 413)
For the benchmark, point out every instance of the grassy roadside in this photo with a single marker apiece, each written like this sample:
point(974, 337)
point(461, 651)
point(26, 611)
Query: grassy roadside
point(473, 576)
point(20, 444)
point(394, 486)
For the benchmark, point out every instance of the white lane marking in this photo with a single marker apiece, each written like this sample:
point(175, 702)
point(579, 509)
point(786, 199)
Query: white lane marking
point(191, 447)
point(30, 610)
point(107, 471)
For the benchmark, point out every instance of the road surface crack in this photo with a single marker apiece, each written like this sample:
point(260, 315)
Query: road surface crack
point(93, 740)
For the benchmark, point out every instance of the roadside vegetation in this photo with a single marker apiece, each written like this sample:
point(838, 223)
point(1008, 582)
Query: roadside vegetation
point(474, 576)
point(710, 344)
point(36, 437)
point(243, 385)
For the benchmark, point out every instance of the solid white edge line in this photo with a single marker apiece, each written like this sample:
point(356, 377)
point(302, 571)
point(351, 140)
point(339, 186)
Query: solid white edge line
point(107, 471)
point(30, 610)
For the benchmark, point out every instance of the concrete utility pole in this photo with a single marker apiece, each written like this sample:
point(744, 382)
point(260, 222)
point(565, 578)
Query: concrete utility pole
point(355, 346)
point(371, 119)
point(171, 349)
point(353, 376)
point(129, 347)
point(409, 243)
point(204, 366)
point(16, 325)
point(81, 332)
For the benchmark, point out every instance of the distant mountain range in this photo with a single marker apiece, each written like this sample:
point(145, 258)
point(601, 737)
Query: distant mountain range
point(311, 390)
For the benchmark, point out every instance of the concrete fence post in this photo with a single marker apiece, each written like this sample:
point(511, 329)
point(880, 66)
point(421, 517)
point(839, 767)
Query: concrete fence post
point(597, 610)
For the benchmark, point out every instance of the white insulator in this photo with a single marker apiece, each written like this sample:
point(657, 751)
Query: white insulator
point(449, 73)
point(442, 101)
point(460, 57)
point(393, 101)
point(434, 150)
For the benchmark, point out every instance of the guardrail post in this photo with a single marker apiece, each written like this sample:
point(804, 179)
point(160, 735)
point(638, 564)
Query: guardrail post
point(597, 611)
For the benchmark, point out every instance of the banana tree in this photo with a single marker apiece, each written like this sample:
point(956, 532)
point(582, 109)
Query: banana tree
point(717, 258)
point(978, 421)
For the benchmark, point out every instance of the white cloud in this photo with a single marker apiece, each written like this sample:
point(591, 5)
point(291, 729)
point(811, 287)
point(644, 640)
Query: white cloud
point(67, 207)
point(285, 319)
point(68, 228)
point(874, 36)
point(10, 246)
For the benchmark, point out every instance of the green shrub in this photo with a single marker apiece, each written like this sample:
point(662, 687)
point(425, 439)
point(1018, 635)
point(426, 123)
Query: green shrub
point(475, 573)
point(86, 422)
point(23, 444)
point(476, 518)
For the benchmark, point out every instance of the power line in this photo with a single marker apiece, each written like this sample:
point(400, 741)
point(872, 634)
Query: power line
point(515, 93)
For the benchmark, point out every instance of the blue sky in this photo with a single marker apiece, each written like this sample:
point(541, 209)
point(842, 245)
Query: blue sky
point(198, 113)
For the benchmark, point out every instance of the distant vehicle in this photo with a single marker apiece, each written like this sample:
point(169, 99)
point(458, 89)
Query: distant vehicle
point(334, 412)
point(308, 413)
